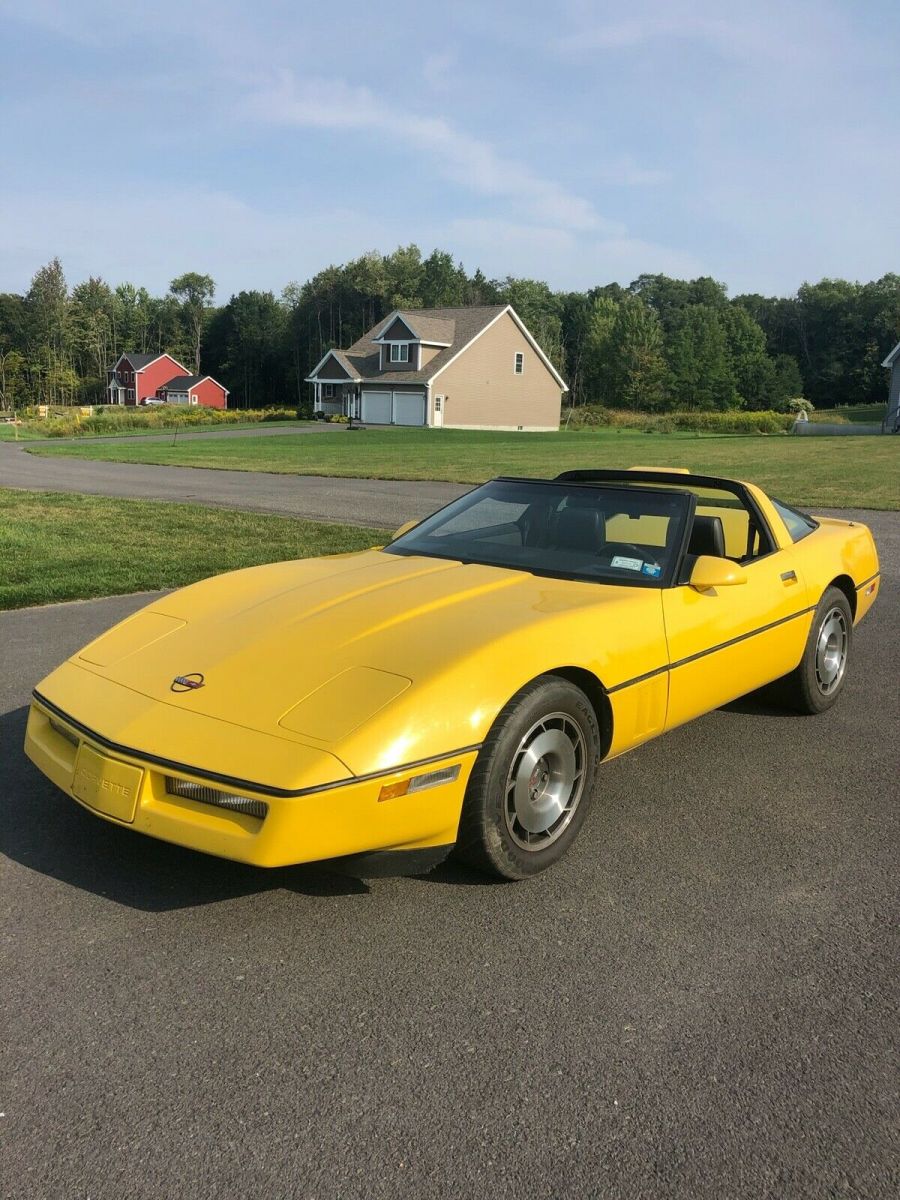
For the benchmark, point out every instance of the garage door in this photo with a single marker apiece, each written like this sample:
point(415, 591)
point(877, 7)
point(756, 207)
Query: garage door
point(409, 408)
point(376, 407)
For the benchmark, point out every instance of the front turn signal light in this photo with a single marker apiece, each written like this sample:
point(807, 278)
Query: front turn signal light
point(418, 783)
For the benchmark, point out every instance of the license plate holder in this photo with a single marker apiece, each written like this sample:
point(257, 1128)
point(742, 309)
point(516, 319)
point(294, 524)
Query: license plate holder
point(105, 784)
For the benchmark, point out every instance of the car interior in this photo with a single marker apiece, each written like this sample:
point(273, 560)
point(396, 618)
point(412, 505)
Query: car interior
point(626, 528)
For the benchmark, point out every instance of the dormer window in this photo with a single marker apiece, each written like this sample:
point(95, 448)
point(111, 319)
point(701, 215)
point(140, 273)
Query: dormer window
point(399, 352)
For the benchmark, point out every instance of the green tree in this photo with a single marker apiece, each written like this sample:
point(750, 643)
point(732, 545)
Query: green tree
point(751, 367)
point(443, 283)
point(700, 375)
point(195, 292)
point(244, 348)
point(13, 379)
point(49, 334)
point(638, 366)
point(600, 374)
point(786, 384)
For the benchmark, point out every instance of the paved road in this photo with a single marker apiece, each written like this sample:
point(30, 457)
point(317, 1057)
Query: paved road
point(699, 1002)
point(371, 502)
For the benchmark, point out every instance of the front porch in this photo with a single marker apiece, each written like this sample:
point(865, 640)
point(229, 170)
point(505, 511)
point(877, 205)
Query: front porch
point(117, 392)
point(337, 399)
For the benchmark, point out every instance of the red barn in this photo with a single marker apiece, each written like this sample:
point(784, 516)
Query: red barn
point(135, 378)
point(194, 389)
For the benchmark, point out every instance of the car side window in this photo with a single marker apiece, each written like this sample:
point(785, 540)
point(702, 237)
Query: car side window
point(798, 524)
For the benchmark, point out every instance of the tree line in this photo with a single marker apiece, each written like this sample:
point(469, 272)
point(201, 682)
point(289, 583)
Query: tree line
point(657, 344)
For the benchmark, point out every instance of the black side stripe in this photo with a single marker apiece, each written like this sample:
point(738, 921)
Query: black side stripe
point(871, 579)
point(742, 637)
point(230, 780)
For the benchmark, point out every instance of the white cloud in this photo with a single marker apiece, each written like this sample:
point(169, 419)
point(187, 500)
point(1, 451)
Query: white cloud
point(471, 163)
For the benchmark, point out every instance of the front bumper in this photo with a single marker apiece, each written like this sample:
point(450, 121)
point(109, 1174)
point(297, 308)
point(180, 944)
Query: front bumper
point(336, 820)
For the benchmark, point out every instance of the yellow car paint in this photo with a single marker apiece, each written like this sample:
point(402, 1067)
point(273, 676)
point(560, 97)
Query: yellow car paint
point(326, 680)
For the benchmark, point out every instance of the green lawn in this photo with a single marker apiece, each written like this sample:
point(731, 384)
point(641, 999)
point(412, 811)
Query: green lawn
point(823, 472)
point(8, 432)
point(60, 547)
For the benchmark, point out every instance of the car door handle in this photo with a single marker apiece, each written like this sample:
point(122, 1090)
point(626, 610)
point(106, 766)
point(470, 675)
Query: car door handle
point(788, 576)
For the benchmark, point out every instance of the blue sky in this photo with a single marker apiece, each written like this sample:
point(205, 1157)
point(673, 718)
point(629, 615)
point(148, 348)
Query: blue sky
point(576, 142)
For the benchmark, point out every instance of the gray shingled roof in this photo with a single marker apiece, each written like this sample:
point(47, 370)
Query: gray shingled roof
point(425, 327)
point(181, 383)
point(462, 324)
point(139, 361)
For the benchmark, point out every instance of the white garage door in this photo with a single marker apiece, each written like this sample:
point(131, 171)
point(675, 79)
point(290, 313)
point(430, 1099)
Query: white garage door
point(376, 407)
point(409, 408)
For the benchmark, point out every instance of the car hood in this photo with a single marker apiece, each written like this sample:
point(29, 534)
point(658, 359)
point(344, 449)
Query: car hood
point(313, 650)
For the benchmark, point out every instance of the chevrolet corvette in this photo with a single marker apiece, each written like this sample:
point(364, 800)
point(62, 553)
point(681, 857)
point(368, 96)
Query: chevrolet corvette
point(459, 687)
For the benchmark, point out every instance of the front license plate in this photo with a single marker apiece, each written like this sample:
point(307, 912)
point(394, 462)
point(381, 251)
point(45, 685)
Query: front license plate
point(105, 784)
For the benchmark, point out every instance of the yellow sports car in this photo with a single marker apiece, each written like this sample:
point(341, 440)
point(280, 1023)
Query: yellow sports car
point(458, 687)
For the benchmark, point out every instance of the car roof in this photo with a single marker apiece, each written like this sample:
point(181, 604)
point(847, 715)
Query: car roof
point(650, 475)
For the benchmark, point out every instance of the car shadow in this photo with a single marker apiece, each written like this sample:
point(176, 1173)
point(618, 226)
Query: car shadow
point(45, 831)
point(764, 702)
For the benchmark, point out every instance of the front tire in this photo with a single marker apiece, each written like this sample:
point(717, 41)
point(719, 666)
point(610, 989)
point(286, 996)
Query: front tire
point(529, 791)
point(819, 679)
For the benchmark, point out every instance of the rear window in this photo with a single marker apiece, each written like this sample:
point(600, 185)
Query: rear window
point(798, 524)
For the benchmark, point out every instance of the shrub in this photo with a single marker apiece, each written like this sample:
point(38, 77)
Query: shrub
point(800, 404)
point(588, 416)
point(691, 422)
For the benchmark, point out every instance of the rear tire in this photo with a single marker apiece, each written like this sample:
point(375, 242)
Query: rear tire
point(819, 679)
point(529, 791)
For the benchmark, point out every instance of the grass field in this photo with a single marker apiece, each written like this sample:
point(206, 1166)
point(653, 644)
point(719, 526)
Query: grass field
point(825, 472)
point(68, 547)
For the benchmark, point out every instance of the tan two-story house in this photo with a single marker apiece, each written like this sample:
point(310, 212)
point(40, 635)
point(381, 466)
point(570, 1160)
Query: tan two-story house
point(451, 368)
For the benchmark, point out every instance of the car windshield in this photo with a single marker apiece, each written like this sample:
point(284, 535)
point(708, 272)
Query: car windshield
point(601, 533)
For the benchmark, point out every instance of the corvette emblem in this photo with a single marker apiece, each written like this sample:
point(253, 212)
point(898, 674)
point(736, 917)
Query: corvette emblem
point(187, 683)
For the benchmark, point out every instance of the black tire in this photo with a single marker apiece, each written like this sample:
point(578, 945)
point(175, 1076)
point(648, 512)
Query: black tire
point(814, 686)
point(523, 768)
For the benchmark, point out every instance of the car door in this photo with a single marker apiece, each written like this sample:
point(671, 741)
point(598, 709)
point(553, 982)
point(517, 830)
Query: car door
point(725, 642)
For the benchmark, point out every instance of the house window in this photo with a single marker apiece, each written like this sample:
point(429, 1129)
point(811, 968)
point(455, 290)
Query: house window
point(399, 352)
point(328, 390)
point(519, 363)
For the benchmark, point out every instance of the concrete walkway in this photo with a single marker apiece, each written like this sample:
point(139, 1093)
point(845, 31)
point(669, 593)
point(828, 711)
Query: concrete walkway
point(368, 502)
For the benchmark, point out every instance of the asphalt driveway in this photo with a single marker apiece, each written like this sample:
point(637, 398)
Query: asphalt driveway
point(701, 1001)
point(369, 502)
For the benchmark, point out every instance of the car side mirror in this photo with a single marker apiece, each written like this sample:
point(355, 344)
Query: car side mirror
point(710, 572)
point(404, 528)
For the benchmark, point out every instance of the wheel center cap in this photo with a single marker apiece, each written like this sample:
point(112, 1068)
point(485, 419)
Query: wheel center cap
point(539, 778)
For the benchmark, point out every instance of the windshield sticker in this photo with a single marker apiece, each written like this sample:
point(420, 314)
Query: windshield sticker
point(654, 570)
point(628, 564)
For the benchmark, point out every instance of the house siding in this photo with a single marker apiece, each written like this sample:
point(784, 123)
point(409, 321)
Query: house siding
point(893, 411)
point(399, 331)
point(481, 389)
point(210, 394)
point(331, 369)
point(151, 378)
point(430, 352)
